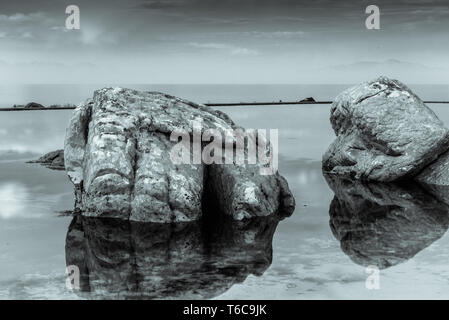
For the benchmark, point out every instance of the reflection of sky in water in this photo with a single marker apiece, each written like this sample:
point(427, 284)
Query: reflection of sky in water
point(12, 198)
point(33, 131)
point(31, 233)
point(18, 201)
point(307, 259)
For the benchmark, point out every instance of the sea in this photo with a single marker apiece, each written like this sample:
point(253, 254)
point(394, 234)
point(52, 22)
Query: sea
point(307, 259)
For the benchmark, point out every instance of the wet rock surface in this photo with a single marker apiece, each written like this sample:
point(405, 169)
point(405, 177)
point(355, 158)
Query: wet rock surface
point(53, 160)
point(117, 154)
point(194, 260)
point(384, 133)
point(384, 224)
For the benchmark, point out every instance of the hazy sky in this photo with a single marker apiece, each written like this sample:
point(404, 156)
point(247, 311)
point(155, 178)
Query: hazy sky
point(227, 41)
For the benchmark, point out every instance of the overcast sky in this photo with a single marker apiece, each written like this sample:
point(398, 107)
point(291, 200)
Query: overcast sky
point(227, 41)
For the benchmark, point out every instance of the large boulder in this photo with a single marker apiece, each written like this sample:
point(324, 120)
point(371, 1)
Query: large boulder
point(384, 133)
point(118, 156)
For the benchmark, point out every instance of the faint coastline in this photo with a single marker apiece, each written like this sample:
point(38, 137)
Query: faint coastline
point(38, 106)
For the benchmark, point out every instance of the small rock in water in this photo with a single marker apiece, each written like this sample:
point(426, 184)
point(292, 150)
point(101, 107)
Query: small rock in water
point(34, 105)
point(52, 160)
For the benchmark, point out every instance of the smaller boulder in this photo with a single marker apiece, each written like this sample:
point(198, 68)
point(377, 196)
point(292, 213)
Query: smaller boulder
point(384, 133)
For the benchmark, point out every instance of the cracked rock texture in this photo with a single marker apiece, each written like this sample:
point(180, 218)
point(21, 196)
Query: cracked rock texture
point(117, 154)
point(384, 133)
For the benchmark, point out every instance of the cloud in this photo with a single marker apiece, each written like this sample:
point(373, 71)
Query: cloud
point(90, 35)
point(26, 35)
point(262, 40)
point(21, 17)
point(159, 4)
point(24, 26)
point(231, 49)
point(410, 72)
point(275, 34)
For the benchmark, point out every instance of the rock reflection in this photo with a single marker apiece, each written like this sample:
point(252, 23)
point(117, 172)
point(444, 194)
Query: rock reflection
point(133, 260)
point(384, 224)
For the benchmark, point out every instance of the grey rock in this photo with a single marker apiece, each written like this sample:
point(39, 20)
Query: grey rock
point(384, 224)
point(437, 173)
point(243, 193)
point(435, 178)
point(53, 160)
point(384, 133)
point(117, 154)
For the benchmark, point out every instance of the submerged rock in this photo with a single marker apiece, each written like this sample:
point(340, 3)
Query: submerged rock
point(190, 260)
point(384, 133)
point(117, 154)
point(53, 160)
point(384, 224)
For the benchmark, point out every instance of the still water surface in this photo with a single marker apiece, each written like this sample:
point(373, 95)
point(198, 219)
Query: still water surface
point(307, 260)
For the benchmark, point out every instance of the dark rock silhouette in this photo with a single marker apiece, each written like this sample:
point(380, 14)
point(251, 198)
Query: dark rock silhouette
point(384, 224)
point(384, 133)
point(310, 99)
point(194, 260)
point(53, 160)
point(34, 105)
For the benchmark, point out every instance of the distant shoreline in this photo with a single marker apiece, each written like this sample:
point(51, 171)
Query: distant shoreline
point(37, 109)
point(38, 106)
point(232, 104)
